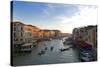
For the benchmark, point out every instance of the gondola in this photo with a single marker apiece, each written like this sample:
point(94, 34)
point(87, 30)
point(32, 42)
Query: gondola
point(41, 53)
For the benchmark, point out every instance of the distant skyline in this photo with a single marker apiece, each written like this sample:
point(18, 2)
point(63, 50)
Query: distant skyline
point(64, 17)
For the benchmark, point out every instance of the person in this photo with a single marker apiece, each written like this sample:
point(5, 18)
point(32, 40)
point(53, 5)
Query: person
point(51, 48)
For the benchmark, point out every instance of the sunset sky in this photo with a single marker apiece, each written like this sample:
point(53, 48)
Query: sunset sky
point(63, 17)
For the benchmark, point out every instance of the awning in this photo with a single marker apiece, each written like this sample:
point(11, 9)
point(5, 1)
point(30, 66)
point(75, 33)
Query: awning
point(84, 45)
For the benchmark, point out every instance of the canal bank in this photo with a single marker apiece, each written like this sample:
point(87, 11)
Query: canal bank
point(50, 57)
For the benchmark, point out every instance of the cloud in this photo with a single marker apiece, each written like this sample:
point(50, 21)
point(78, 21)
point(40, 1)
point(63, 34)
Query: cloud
point(63, 19)
point(58, 9)
point(86, 16)
point(47, 11)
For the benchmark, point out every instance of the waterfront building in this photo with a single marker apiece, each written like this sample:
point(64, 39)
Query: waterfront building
point(46, 33)
point(85, 34)
point(92, 39)
point(86, 37)
point(51, 33)
point(27, 36)
point(35, 31)
point(17, 35)
point(28, 41)
point(57, 33)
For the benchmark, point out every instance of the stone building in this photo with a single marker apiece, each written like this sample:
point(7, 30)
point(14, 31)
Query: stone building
point(57, 33)
point(87, 35)
point(35, 31)
point(27, 36)
point(17, 35)
point(92, 39)
point(28, 41)
point(46, 33)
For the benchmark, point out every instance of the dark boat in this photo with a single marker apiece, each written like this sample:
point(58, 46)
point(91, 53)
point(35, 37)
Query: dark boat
point(51, 48)
point(41, 53)
point(86, 56)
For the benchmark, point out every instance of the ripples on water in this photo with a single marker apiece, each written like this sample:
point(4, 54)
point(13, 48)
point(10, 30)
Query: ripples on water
point(50, 57)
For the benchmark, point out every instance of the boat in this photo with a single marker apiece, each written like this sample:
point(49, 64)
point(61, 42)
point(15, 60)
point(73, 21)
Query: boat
point(51, 48)
point(84, 59)
point(64, 49)
point(26, 47)
point(41, 53)
point(86, 56)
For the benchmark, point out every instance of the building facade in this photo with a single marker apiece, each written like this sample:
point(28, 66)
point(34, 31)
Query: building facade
point(17, 35)
point(28, 41)
point(86, 36)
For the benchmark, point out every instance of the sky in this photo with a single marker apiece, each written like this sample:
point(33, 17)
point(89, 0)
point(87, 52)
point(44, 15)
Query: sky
point(64, 17)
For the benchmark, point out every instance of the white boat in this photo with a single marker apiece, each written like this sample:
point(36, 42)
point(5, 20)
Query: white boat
point(26, 47)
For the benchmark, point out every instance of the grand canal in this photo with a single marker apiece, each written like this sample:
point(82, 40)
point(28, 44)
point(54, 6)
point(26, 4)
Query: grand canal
point(50, 57)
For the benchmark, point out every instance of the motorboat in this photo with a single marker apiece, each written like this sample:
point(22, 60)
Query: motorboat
point(64, 49)
point(86, 56)
point(86, 59)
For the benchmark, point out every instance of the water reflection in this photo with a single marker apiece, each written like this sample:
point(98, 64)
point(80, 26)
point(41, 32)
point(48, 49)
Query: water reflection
point(51, 55)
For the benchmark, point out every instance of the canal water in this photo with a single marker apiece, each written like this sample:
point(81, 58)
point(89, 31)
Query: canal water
point(50, 57)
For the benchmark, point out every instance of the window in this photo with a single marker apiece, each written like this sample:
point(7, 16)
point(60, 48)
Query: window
point(14, 35)
point(14, 28)
point(16, 39)
point(21, 39)
point(30, 46)
point(21, 34)
point(21, 28)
